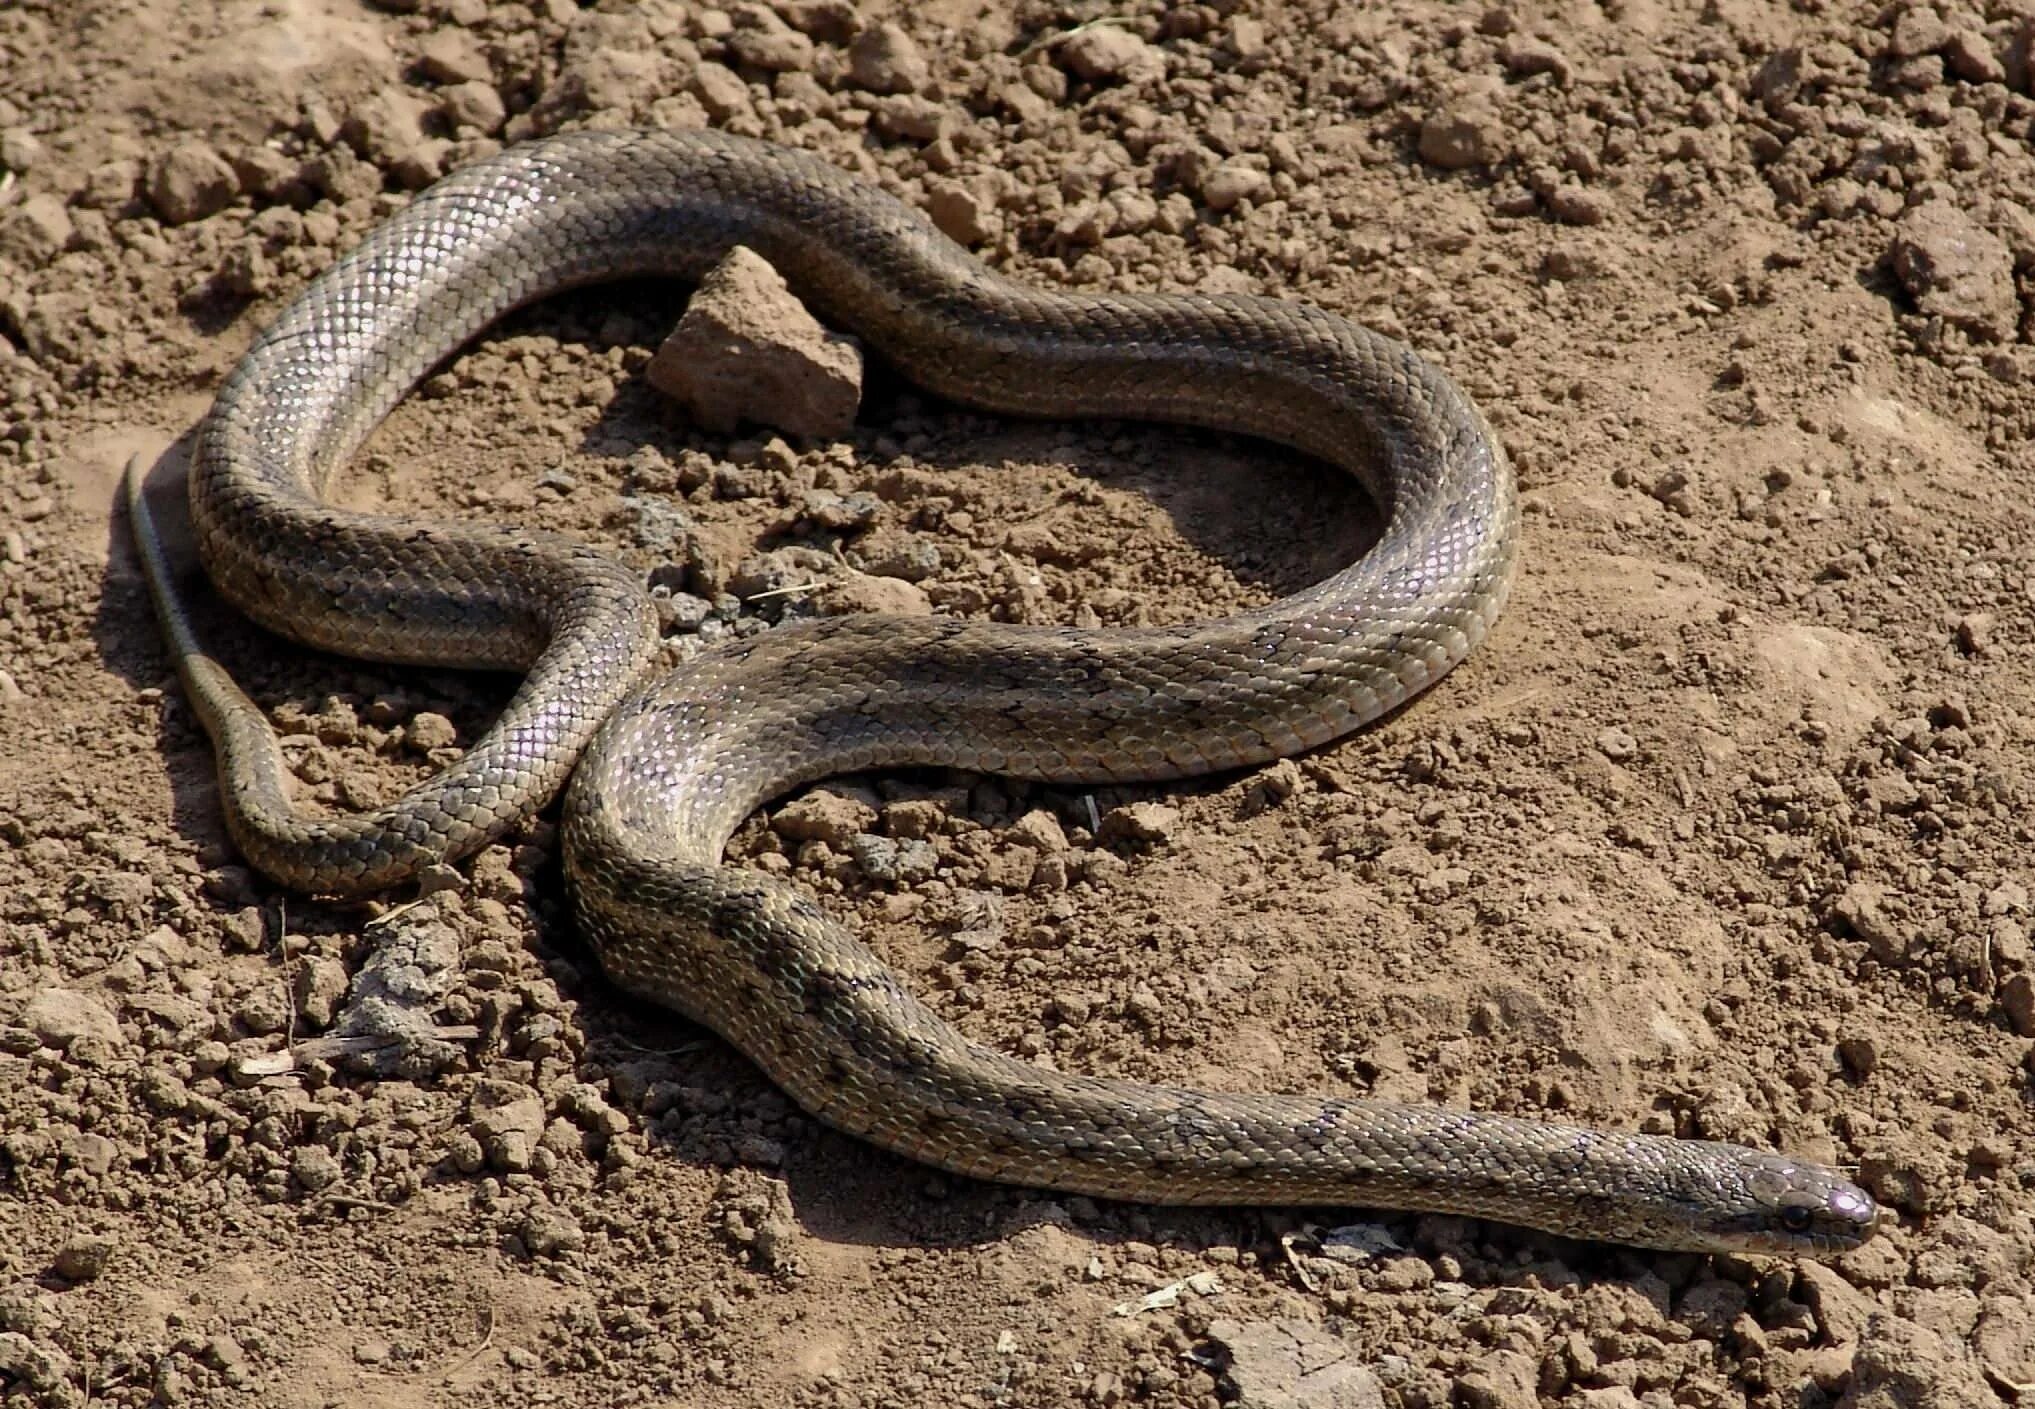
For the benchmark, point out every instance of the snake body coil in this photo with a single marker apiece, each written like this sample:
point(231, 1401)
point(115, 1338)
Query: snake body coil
point(672, 766)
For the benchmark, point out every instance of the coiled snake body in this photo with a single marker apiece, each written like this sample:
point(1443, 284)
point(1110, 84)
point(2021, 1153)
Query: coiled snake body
point(673, 765)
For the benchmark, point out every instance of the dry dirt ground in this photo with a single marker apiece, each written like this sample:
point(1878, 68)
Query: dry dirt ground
point(1723, 832)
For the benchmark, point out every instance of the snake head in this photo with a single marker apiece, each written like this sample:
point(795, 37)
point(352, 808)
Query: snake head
point(1768, 1203)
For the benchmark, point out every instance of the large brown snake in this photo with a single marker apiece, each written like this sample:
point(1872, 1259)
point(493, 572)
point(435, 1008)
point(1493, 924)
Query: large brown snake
point(671, 766)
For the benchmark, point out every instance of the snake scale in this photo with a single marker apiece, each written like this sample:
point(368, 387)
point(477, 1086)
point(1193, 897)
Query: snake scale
point(662, 770)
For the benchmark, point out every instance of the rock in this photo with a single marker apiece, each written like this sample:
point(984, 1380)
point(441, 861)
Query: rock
point(42, 1369)
point(1918, 30)
point(762, 40)
point(1107, 51)
point(1861, 910)
point(1464, 134)
point(507, 1118)
point(885, 59)
point(37, 230)
point(962, 216)
point(890, 861)
point(824, 815)
point(1956, 270)
point(1040, 830)
point(477, 105)
point(2005, 1339)
point(83, 1258)
point(386, 126)
point(1234, 182)
point(746, 350)
point(720, 90)
point(1504, 1379)
point(1901, 1365)
point(62, 1016)
point(911, 116)
point(1293, 1365)
point(863, 592)
point(2017, 996)
point(319, 987)
point(1575, 204)
point(453, 56)
point(1968, 56)
point(1145, 822)
point(1841, 1310)
point(21, 151)
point(429, 731)
point(315, 1168)
point(189, 182)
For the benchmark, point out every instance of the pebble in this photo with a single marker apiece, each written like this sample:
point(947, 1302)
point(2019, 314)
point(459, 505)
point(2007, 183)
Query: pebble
point(1232, 183)
point(507, 1118)
point(824, 815)
point(37, 230)
point(1468, 133)
point(190, 182)
point(1956, 270)
point(453, 56)
point(62, 1016)
point(1504, 1379)
point(83, 1258)
point(864, 592)
point(1145, 822)
point(477, 105)
point(890, 861)
point(1901, 1363)
point(429, 731)
point(886, 59)
point(762, 40)
point(746, 350)
point(319, 987)
point(315, 1168)
point(1107, 51)
point(1291, 1364)
point(2017, 996)
point(21, 151)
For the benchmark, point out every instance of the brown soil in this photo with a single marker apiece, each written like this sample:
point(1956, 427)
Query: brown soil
point(1723, 832)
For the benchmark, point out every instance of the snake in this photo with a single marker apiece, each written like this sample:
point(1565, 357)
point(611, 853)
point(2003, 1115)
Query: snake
point(657, 769)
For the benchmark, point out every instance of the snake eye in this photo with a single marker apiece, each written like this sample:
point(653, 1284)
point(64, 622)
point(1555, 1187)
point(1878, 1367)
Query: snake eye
point(1797, 1218)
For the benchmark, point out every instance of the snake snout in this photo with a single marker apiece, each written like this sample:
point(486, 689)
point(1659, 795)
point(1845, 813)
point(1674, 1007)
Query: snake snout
point(1795, 1208)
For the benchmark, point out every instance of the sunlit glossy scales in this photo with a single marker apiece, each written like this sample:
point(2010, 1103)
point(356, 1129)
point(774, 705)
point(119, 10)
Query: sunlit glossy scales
point(675, 764)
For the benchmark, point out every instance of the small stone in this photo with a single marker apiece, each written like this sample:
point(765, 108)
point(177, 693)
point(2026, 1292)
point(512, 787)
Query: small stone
point(1975, 633)
point(37, 230)
point(62, 1016)
point(2005, 1339)
point(746, 350)
point(83, 1258)
point(1524, 57)
point(315, 1168)
point(319, 987)
point(429, 731)
point(1040, 830)
point(386, 126)
point(1861, 909)
point(911, 116)
point(453, 56)
point(824, 815)
point(1918, 30)
point(1901, 1364)
point(720, 90)
point(1290, 1364)
point(864, 592)
point(962, 216)
point(1142, 822)
point(551, 1232)
point(477, 105)
point(1465, 134)
point(1504, 1379)
point(1107, 51)
point(1860, 1055)
point(1617, 744)
point(1956, 270)
point(762, 40)
point(2017, 996)
point(886, 59)
point(1232, 183)
point(190, 182)
point(1968, 56)
point(1573, 204)
point(507, 1118)
point(21, 151)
